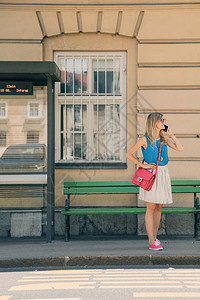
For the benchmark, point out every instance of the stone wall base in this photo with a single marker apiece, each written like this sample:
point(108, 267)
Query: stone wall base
point(33, 224)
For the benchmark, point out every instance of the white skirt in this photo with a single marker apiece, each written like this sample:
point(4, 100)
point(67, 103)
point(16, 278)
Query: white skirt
point(161, 190)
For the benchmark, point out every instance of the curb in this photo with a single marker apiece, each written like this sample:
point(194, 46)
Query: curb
point(91, 261)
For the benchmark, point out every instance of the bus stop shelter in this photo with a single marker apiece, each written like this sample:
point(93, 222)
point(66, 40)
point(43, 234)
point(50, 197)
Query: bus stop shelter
point(39, 73)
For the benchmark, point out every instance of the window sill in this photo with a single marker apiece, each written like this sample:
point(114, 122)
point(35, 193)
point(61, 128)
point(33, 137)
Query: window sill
point(4, 120)
point(95, 165)
point(36, 119)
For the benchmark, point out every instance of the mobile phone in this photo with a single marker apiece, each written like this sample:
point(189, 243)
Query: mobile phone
point(166, 128)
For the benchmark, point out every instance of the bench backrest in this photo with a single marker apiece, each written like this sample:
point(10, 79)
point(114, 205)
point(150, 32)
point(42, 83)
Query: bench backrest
point(124, 187)
point(125, 183)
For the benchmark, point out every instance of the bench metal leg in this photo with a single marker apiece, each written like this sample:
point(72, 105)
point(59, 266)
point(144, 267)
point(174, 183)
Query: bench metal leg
point(67, 228)
point(197, 225)
point(197, 220)
point(67, 220)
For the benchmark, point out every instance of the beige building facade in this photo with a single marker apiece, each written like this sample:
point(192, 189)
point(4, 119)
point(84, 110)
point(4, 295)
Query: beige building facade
point(120, 60)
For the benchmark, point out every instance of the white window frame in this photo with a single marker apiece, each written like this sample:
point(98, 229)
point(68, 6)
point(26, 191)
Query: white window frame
point(6, 109)
point(90, 100)
point(39, 109)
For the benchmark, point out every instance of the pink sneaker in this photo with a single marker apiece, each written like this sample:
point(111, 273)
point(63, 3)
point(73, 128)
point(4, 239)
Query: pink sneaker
point(155, 246)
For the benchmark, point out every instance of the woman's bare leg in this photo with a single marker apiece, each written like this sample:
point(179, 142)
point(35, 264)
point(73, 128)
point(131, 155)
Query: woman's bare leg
point(157, 217)
point(149, 221)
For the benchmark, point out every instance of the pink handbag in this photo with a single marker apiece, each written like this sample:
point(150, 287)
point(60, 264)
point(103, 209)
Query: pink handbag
point(144, 178)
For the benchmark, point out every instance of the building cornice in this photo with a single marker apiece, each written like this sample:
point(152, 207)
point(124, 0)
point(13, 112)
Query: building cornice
point(98, 5)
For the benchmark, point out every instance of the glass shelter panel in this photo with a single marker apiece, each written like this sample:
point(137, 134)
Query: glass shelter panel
point(23, 134)
point(23, 159)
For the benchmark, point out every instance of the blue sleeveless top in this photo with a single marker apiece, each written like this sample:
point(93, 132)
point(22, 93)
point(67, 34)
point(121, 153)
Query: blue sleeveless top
point(150, 154)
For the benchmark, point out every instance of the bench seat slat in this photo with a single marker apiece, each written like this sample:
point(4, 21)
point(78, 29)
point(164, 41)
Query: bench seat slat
point(125, 183)
point(127, 190)
point(133, 210)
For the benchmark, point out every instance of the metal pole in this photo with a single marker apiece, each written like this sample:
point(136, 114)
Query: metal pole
point(50, 160)
point(53, 160)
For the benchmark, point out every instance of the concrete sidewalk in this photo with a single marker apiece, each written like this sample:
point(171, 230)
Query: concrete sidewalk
point(97, 252)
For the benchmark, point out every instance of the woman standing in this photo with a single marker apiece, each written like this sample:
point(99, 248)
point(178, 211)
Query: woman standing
point(160, 192)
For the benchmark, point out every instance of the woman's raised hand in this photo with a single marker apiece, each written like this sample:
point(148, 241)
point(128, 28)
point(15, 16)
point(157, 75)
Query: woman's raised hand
point(168, 132)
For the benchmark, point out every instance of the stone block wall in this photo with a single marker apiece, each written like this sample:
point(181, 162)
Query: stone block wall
point(171, 224)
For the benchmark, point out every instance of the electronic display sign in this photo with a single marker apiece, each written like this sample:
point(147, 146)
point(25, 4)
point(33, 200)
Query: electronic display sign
point(16, 88)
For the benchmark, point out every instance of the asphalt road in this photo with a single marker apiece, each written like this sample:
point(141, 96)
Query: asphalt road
point(92, 284)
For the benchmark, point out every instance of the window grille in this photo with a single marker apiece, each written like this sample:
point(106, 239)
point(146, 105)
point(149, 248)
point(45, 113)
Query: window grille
point(91, 107)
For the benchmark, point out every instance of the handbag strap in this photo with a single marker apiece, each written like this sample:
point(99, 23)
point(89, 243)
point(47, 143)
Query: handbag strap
point(159, 153)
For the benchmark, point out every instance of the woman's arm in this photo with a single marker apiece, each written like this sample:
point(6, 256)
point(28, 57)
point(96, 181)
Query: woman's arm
point(172, 141)
point(142, 142)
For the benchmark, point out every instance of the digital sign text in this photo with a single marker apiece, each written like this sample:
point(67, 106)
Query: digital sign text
point(16, 88)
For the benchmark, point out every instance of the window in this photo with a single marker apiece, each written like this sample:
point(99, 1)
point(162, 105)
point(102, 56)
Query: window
point(91, 107)
point(3, 110)
point(3, 138)
point(34, 109)
point(32, 137)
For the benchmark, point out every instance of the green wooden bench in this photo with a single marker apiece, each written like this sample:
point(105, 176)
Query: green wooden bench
point(125, 187)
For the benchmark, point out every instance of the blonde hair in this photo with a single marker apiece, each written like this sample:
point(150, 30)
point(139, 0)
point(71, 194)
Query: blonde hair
point(152, 119)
